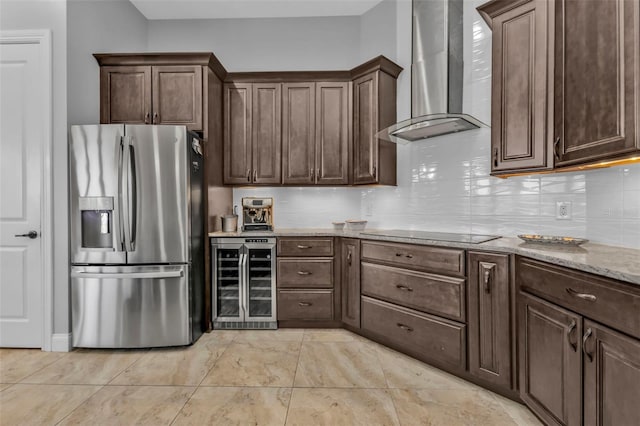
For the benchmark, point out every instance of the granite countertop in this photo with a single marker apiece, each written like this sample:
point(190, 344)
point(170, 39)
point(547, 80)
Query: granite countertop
point(609, 261)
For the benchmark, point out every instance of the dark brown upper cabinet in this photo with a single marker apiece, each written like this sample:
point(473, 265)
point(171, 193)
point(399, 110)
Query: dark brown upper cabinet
point(374, 108)
point(319, 118)
point(565, 83)
point(177, 95)
point(167, 88)
point(315, 133)
point(125, 95)
point(519, 104)
point(597, 80)
point(252, 135)
point(490, 344)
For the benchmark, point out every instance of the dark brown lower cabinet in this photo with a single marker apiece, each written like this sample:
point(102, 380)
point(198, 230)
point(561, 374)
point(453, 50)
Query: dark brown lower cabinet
point(350, 249)
point(611, 377)
point(490, 348)
point(419, 334)
point(550, 361)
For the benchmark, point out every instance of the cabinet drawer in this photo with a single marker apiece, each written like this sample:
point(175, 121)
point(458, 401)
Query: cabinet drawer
point(305, 273)
point(436, 294)
point(610, 302)
point(305, 246)
point(305, 305)
point(436, 259)
point(422, 334)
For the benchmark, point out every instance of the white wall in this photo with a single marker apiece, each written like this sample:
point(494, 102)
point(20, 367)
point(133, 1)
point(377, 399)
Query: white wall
point(52, 14)
point(97, 27)
point(274, 44)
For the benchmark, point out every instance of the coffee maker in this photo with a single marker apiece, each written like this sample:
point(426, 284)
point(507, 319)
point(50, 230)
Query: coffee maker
point(257, 214)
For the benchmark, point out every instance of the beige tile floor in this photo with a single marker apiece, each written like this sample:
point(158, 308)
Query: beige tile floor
point(292, 377)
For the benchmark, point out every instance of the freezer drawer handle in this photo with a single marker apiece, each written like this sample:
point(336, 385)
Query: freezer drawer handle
point(125, 275)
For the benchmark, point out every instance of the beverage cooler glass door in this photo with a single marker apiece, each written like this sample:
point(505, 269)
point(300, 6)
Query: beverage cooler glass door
point(227, 274)
point(260, 268)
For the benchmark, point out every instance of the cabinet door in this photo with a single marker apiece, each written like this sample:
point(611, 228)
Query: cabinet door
point(177, 96)
point(597, 62)
point(489, 318)
point(351, 282)
point(125, 95)
point(298, 133)
point(237, 133)
point(266, 137)
point(611, 377)
point(365, 127)
point(519, 106)
point(550, 361)
point(332, 133)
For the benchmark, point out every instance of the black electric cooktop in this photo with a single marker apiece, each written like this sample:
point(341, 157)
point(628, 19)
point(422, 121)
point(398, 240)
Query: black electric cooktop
point(435, 236)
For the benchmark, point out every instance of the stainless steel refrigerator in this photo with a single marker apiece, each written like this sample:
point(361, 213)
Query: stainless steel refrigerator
point(137, 241)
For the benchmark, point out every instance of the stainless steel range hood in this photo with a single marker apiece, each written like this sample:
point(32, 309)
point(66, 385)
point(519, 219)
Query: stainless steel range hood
point(436, 75)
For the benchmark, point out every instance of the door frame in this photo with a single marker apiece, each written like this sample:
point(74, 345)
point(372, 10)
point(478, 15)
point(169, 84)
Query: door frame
point(42, 37)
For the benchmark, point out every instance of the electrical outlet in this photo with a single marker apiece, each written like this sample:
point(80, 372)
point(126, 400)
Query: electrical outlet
point(563, 210)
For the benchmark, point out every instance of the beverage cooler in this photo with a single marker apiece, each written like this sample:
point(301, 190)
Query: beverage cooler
point(244, 283)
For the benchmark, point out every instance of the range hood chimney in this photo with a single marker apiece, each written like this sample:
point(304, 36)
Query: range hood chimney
point(436, 75)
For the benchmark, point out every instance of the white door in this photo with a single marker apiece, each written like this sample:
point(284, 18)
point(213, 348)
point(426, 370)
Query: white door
point(22, 132)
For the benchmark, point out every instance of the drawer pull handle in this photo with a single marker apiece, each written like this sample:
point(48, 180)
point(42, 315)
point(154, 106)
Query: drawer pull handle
point(572, 327)
point(301, 247)
point(304, 273)
point(305, 303)
point(398, 254)
point(584, 344)
point(409, 256)
point(403, 287)
point(583, 296)
point(404, 327)
point(349, 258)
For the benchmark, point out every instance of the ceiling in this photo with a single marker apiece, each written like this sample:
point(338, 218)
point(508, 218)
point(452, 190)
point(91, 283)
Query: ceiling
point(217, 9)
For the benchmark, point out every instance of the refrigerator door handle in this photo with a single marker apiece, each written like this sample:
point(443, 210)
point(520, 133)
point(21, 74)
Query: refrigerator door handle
point(124, 193)
point(118, 217)
point(128, 275)
point(134, 196)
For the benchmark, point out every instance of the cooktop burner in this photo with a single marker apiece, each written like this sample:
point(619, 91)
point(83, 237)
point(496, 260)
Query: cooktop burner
point(436, 236)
